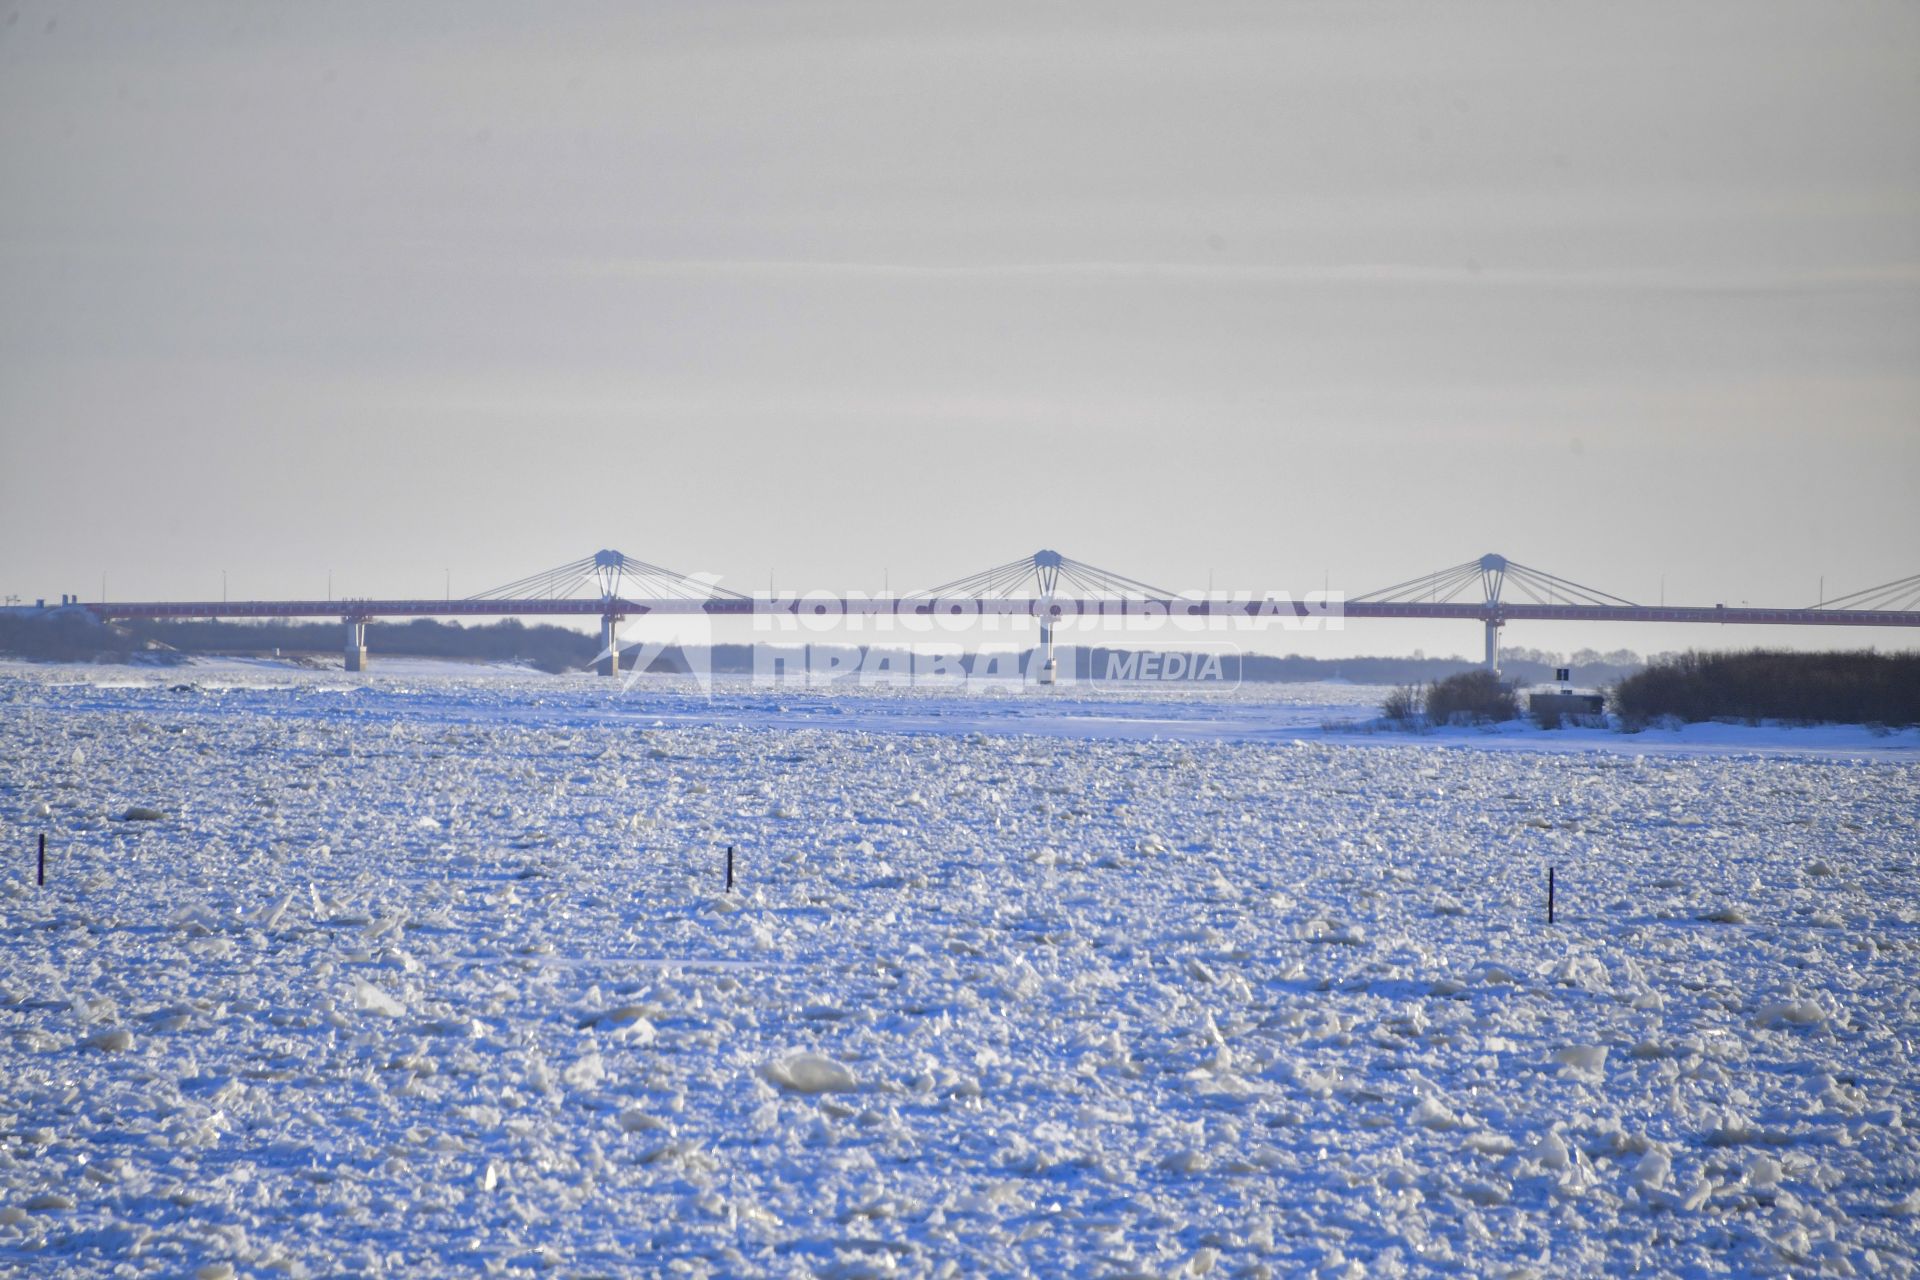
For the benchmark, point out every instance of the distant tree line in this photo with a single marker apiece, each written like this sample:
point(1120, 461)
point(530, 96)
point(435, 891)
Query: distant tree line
point(74, 636)
point(1861, 687)
point(63, 636)
point(543, 647)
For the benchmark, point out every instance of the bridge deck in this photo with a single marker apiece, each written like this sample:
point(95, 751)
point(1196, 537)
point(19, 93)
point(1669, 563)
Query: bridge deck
point(830, 606)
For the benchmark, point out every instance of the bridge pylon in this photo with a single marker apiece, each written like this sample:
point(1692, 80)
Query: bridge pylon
point(608, 663)
point(1494, 575)
point(1038, 579)
point(620, 583)
point(356, 655)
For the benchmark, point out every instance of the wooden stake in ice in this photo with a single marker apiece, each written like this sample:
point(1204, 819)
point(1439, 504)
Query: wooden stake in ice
point(1549, 895)
point(43, 858)
point(729, 868)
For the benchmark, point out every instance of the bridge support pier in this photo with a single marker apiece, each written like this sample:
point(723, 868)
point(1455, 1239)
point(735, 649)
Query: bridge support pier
point(1049, 666)
point(608, 663)
point(356, 657)
point(1493, 645)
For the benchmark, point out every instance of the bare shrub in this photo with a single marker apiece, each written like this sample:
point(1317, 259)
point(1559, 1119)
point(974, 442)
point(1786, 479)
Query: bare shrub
point(1405, 704)
point(1471, 697)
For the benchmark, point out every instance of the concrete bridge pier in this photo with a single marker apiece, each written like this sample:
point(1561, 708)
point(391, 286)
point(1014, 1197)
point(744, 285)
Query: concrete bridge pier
point(608, 663)
point(1493, 644)
point(1049, 665)
point(356, 644)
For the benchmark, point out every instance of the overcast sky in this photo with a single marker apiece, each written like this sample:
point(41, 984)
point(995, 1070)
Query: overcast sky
point(850, 292)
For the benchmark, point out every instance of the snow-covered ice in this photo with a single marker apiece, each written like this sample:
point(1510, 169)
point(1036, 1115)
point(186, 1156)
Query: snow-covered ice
point(434, 973)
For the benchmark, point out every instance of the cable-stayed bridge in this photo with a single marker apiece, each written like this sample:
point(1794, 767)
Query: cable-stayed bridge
point(1046, 586)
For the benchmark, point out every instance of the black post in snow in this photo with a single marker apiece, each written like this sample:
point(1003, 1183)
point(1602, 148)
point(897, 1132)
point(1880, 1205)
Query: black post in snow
point(729, 868)
point(1549, 895)
point(43, 858)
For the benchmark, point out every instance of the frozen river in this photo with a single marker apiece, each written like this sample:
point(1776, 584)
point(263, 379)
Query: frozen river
point(431, 973)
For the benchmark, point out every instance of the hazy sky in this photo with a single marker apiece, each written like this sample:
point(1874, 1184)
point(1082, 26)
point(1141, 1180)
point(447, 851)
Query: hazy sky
point(845, 291)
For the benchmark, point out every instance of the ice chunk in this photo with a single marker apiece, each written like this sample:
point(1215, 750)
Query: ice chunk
point(1765, 1171)
point(1185, 1161)
point(1790, 1013)
point(1585, 1060)
point(385, 925)
point(1550, 1152)
point(639, 1031)
point(634, 1120)
point(114, 1040)
point(1490, 1144)
point(1652, 1171)
point(1581, 971)
point(1731, 1130)
point(370, 999)
point(589, 1070)
point(810, 1073)
point(1323, 929)
point(1484, 1192)
point(278, 913)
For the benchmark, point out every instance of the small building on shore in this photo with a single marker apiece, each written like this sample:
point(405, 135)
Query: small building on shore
point(1561, 702)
